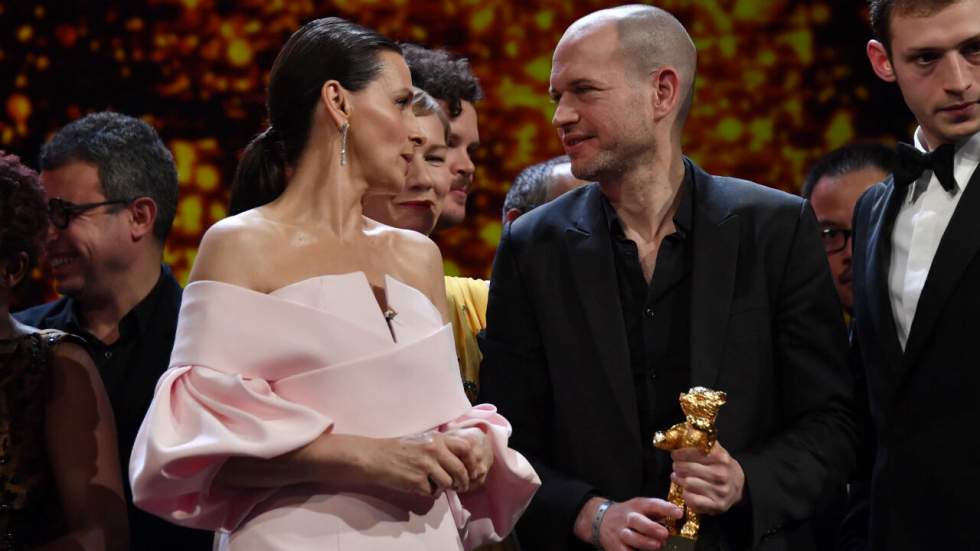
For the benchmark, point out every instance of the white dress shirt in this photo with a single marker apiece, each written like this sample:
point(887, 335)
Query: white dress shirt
point(919, 227)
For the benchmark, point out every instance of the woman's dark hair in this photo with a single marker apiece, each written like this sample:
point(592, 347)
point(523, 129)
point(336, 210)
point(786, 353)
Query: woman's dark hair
point(323, 49)
point(23, 210)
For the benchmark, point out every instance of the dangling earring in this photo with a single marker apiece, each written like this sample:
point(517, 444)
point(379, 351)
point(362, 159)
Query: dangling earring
point(343, 143)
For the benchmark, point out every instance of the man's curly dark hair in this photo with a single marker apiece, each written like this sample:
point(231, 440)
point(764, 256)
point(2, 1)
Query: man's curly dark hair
point(23, 210)
point(443, 76)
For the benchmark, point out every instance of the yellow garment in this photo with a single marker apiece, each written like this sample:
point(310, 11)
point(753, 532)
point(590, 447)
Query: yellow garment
point(468, 312)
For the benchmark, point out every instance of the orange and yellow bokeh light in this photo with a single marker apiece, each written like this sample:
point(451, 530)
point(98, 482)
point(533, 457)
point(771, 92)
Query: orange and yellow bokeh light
point(779, 84)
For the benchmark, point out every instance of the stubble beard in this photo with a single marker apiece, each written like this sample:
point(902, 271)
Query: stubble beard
point(611, 164)
point(595, 169)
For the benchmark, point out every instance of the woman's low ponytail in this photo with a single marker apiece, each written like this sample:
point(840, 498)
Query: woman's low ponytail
point(261, 173)
point(321, 50)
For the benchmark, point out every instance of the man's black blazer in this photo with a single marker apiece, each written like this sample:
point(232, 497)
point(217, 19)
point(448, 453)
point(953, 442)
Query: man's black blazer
point(765, 327)
point(923, 401)
point(146, 532)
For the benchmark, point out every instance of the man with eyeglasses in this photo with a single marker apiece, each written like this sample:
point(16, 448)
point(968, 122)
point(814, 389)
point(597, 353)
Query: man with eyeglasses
point(833, 186)
point(112, 196)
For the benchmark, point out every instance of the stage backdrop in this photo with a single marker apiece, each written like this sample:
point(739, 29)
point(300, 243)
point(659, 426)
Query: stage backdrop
point(779, 83)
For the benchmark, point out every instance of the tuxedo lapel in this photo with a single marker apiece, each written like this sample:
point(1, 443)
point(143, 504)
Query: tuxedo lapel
point(879, 253)
point(594, 272)
point(716, 240)
point(957, 248)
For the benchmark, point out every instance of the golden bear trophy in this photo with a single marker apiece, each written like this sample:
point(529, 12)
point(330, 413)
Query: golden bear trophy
point(701, 406)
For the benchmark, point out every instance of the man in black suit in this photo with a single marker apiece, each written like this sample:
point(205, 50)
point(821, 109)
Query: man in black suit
point(917, 287)
point(608, 302)
point(112, 191)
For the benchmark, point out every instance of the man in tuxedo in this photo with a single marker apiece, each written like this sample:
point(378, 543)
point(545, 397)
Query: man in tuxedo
point(917, 286)
point(609, 301)
point(112, 191)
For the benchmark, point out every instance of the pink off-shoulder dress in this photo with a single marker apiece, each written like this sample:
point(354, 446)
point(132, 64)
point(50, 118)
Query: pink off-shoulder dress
point(259, 375)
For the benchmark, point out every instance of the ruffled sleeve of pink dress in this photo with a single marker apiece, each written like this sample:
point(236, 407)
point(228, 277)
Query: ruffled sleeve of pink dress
point(259, 375)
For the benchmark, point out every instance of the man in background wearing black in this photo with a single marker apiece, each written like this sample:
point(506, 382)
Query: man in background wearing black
point(833, 186)
point(112, 191)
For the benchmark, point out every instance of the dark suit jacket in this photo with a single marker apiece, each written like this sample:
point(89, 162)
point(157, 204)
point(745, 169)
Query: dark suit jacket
point(765, 328)
point(146, 532)
point(923, 401)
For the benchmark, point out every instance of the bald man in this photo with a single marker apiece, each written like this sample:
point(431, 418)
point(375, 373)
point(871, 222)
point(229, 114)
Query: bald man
point(670, 278)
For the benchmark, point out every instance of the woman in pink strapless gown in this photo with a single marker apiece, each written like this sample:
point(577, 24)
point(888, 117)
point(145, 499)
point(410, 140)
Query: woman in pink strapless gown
point(313, 399)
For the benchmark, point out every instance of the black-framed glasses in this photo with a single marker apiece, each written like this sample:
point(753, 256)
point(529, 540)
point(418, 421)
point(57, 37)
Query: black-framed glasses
point(834, 239)
point(60, 212)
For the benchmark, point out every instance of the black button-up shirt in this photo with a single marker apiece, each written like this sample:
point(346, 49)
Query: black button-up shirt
point(657, 319)
point(130, 368)
point(113, 360)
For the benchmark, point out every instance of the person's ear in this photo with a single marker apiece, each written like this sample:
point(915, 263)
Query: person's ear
point(512, 214)
point(336, 101)
point(142, 217)
point(881, 62)
point(666, 91)
point(14, 270)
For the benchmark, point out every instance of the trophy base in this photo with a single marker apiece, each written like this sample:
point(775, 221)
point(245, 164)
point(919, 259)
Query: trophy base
point(679, 543)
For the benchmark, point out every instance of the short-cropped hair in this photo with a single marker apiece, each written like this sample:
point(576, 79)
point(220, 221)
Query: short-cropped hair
point(882, 12)
point(848, 159)
point(530, 187)
point(131, 159)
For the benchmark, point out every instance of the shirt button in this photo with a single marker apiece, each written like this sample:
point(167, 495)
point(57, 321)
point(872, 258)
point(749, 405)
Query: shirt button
point(648, 312)
point(108, 355)
point(653, 376)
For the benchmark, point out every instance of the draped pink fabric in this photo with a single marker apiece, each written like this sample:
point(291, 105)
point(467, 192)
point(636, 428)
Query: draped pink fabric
point(260, 375)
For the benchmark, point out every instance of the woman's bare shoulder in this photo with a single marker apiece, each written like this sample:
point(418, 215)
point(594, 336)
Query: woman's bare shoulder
point(417, 262)
point(411, 243)
point(74, 372)
point(232, 249)
point(67, 352)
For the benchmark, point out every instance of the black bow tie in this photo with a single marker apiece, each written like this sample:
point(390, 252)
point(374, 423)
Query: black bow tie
point(912, 163)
